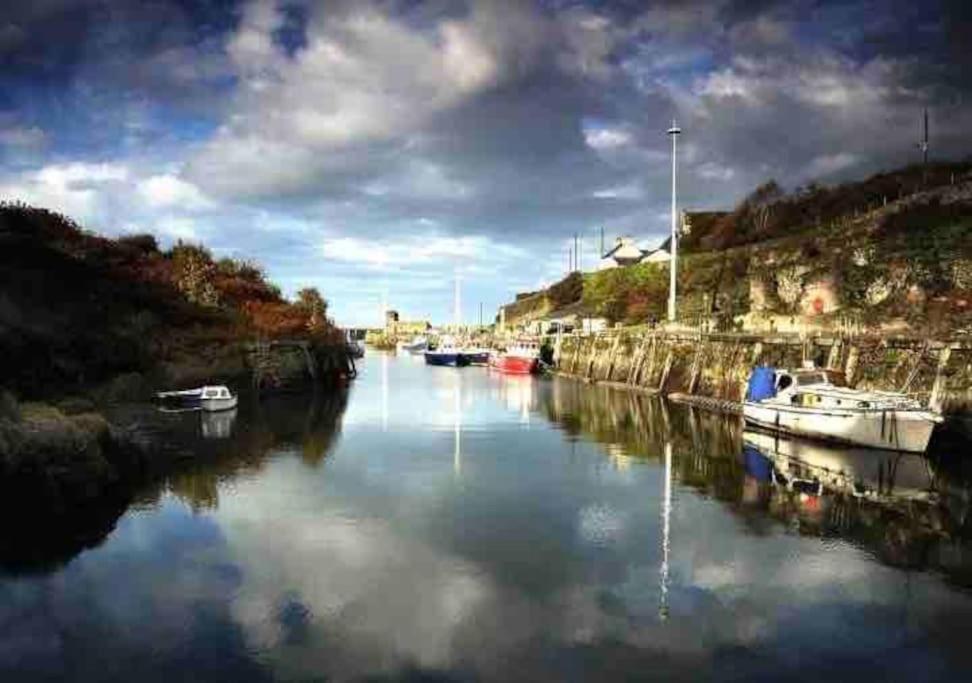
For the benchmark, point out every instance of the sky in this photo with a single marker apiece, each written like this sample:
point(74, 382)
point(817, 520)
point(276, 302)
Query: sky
point(378, 150)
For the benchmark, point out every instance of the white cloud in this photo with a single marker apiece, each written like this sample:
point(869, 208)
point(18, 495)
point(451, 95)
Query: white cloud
point(606, 138)
point(22, 137)
point(628, 191)
point(163, 191)
point(710, 170)
point(831, 163)
point(422, 250)
point(178, 228)
point(75, 189)
point(368, 77)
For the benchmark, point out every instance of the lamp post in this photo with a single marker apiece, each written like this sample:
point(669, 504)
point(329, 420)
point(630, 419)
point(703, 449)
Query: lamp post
point(673, 132)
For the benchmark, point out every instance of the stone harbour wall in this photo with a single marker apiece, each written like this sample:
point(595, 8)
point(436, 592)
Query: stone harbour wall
point(939, 373)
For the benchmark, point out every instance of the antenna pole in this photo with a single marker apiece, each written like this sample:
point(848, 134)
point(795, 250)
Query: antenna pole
point(924, 145)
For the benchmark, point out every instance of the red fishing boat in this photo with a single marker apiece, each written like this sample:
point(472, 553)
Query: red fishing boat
point(520, 359)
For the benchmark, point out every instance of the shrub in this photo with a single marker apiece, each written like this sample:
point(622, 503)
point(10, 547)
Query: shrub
point(140, 244)
point(9, 410)
point(567, 291)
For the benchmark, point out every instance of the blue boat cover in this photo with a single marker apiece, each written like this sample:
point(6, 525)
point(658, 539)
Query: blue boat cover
point(762, 383)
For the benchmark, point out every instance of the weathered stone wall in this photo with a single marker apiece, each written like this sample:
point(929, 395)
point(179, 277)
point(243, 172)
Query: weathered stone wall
point(718, 365)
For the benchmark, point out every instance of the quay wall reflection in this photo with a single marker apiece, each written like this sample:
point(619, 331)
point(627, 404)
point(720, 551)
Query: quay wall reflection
point(908, 511)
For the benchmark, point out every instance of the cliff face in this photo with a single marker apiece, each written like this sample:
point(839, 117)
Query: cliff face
point(894, 251)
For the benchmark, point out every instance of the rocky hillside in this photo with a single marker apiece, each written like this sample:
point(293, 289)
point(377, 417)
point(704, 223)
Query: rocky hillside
point(894, 250)
point(79, 311)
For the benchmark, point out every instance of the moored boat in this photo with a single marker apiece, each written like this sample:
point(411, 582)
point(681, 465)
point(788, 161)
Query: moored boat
point(446, 355)
point(208, 398)
point(476, 356)
point(217, 398)
point(806, 403)
point(519, 359)
point(416, 346)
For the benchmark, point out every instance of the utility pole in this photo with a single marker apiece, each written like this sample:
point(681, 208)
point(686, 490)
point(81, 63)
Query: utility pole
point(673, 132)
point(923, 146)
point(458, 305)
point(576, 253)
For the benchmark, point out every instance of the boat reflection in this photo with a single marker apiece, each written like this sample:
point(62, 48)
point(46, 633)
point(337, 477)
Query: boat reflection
point(907, 510)
point(517, 392)
point(217, 425)
point(857, 472)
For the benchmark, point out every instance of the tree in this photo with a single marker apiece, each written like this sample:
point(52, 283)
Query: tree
point(195, 274)
point(314, 306)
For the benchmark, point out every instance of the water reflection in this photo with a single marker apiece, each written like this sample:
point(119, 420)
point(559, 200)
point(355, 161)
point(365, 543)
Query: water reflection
point(443, 536)
point(907, 509)
point(217, 425)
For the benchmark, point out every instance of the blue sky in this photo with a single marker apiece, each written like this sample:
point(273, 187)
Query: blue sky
point(375, 149)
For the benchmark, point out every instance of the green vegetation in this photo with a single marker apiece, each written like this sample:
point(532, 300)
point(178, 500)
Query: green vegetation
point(894, 247)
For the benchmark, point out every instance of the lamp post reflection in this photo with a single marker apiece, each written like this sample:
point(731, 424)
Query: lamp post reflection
point(384, 392)
point(457, 425)
point(666, 524)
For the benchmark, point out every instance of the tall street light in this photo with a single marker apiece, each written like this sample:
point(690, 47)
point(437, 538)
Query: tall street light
point(673, 132)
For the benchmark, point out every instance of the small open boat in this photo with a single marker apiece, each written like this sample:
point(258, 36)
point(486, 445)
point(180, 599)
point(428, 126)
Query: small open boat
point(416, 346)
point(208, 398)
point(806, 403)
point(518, 359)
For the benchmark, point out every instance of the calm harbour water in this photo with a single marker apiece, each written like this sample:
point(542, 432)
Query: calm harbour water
point(457, 524)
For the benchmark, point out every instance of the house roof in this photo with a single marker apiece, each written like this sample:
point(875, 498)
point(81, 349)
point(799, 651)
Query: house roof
point(665, 246)
point(625, 249)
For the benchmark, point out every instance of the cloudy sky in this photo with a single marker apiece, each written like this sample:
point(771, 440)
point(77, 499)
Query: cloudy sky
point(375, 148)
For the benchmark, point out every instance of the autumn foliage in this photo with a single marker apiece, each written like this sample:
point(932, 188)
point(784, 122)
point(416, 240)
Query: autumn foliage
point(79, 307)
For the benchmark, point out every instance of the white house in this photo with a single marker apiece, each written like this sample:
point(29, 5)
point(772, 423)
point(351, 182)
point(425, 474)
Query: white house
point(626, 253)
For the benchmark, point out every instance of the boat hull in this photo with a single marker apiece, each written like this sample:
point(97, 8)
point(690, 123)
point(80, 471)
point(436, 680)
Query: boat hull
point(477, 357)
point(446, 359)
point(514, 365)
point(216, 405)
point(898, 430)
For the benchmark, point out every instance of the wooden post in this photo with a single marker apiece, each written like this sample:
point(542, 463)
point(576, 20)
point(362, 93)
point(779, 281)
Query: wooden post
point(611, 358)
point(666, 369)
point(937, 399)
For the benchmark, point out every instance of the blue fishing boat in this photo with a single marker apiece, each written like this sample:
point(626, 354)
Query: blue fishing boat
point(446, 355)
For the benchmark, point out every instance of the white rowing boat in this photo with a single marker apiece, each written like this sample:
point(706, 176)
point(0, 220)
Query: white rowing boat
point(210, 399)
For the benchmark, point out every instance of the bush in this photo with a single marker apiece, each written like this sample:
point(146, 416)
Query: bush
point(567, 291)
point(9, 410)
point(141, 244)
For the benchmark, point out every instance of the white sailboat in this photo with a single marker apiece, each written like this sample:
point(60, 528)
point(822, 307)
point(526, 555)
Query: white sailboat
point(806, 403)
